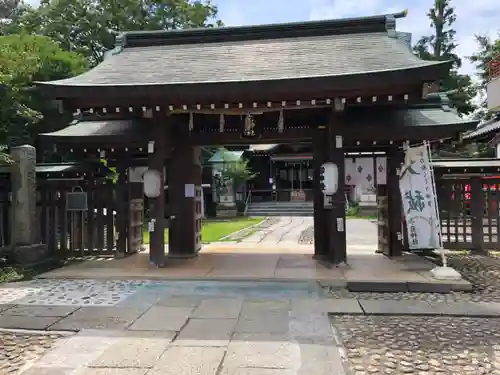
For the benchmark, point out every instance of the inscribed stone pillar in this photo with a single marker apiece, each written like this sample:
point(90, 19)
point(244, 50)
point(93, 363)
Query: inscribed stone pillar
point(25, 224)
point(25, 230)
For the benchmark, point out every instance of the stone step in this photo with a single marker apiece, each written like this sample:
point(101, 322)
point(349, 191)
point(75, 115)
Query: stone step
point(281, 209)
point(279, 213)
point(281, 205)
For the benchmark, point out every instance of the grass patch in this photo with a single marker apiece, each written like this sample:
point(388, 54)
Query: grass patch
point(354, 213)
point(214, 229)
point(9, 274)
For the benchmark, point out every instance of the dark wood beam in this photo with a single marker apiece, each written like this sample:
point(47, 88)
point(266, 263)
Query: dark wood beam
point(297, 88)
point(399, 95)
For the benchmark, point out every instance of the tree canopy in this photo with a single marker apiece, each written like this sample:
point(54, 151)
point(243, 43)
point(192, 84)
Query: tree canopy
point(63, 38)
point(488, 49)
point(23, 60)
point(440, 46)
point(89, 27)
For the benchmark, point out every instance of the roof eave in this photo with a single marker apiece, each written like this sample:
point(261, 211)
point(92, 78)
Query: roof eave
point(493, 126)
point(426, 73)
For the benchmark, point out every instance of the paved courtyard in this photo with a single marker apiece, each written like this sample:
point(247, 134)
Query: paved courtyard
point(209, 327)
point(145, 326)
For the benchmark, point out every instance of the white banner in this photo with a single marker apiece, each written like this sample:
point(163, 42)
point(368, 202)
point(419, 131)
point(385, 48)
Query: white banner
point(418, 193)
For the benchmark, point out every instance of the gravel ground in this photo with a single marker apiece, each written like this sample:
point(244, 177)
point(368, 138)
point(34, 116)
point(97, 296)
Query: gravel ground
point(420, 345)
point(20, 349)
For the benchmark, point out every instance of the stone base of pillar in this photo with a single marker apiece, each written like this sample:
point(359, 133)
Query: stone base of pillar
point(29, 255)
point(171, 255)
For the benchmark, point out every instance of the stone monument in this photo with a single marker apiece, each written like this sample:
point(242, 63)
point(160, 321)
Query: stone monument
point(25, 230)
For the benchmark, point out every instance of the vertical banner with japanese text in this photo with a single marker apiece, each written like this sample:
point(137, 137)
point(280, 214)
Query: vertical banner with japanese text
point(418, 193)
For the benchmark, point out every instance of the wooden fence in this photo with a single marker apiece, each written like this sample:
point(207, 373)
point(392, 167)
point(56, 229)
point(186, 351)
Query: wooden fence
point(470, 213)
point(469, 210)
point(71, 231)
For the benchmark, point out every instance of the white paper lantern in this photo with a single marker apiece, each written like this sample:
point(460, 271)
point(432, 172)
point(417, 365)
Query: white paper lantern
point(152, 183)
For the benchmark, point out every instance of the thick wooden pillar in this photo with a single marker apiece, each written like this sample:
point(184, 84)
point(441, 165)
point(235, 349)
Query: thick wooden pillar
point(121, 208)
point(477, 208)
point(184, 197)
point(329, 223)
point(395, 157)
point(156, 161)
point(320, 155)
point(337, 224)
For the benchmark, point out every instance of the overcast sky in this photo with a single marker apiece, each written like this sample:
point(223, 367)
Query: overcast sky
point(473, 16)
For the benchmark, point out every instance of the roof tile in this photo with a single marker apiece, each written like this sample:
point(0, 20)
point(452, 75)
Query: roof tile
point(252, 60)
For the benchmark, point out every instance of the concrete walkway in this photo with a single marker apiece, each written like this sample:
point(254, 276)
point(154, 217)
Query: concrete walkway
point(286, 230)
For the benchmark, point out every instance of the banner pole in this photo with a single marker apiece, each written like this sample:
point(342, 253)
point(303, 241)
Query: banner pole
point(444, 272)
point(438, 217)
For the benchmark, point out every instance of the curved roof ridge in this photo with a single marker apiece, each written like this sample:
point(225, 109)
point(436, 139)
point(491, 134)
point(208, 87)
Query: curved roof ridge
point(370, 24)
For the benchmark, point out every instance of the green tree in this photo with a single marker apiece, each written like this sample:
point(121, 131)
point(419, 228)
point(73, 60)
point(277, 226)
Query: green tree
point(488, 49)
point(7, 8)
point(239, 171)
point(441, 47)
point(89, 27)
point(24, 59)
point(234, 168)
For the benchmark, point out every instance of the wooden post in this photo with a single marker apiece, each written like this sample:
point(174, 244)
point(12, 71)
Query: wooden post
point(121, 209)
point(395, 157)
point(382, 221)
point(184, 200)
point(320, 214)
point(337, 223)
point(156, 161)
point(477, 197)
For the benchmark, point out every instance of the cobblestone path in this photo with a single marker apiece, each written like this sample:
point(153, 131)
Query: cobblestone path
point(20, 349)
point(420, 345)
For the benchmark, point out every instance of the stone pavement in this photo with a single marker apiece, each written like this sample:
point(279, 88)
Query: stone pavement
point(361, 234)
point(284, 230)
point(235, 328)
point(178, 327)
